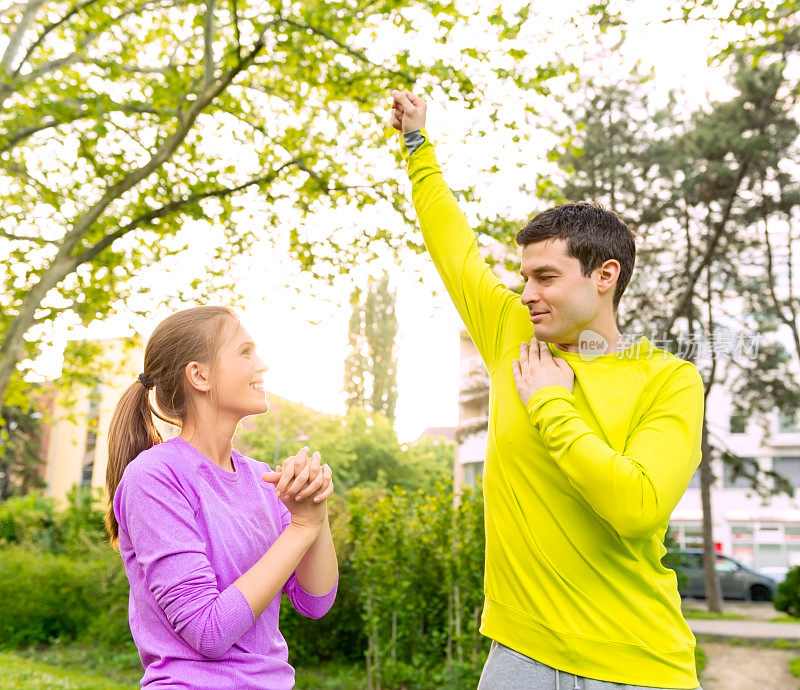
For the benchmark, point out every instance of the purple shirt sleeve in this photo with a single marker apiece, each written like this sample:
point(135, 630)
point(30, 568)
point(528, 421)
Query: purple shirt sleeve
point(305, 603)
point(153, 508)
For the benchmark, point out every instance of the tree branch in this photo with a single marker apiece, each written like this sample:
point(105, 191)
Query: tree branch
point(18, 81)
point(172, 207)
point(352, 51)
point(82, 112)
point(52, 27)
point(14, 43)
point(708, 254)
point(236, 31)
point(162, 154)
point(208, 44)
point(25, 238)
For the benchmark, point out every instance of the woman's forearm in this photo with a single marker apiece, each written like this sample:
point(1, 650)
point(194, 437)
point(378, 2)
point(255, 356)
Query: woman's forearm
point(266, 578)
point(318, 569)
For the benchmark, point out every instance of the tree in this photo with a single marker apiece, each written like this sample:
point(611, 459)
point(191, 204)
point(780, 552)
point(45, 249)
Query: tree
point(20, 452)
point(361, 448)
point(370, 376)
point(695, 188)
point(380, 326)
point(126, 130)
point(356, 362)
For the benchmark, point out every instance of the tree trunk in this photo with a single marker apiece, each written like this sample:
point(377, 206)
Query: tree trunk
point(394, 635)
point(713, 595)
point(457, 614)
point(476, 613)
point(449, 645)
point(12, 346)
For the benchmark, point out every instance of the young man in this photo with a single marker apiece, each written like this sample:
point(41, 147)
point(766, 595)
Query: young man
point(591, 444)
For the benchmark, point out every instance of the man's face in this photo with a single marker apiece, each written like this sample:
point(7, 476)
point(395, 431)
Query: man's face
point(561, 300)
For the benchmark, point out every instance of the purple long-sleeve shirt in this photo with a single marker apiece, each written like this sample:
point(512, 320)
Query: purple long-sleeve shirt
point(187, 530)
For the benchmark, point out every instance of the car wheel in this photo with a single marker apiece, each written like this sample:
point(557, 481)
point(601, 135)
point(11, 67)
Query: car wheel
point(760, 593)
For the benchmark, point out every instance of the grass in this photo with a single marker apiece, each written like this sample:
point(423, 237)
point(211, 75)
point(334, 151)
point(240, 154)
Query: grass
point(331, 677)
point(702, 614)
point(68, 666)
point(784, 619)
point(794, 666)
point(119, 666)
point(19, 672)
point(739, 642)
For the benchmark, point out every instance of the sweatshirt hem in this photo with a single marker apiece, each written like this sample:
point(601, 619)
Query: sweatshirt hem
point(609, 661)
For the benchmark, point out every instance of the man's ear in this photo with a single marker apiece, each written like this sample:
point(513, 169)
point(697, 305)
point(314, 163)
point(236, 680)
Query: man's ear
point(197, 376)
point(607, 276)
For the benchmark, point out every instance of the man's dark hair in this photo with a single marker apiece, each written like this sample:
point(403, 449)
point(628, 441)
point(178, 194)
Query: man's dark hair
point(593, 234)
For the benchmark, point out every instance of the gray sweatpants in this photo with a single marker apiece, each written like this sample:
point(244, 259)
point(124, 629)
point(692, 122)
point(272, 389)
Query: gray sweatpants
point(506, 669)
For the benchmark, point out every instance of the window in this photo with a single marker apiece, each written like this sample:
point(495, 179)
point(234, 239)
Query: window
point(738, 424)
point(688, 535)
point(788, 467)
point(787, 422)
point(694, 482)
point(725, 565)
point(472, 471)
point(766, 545)
point(692, 560)
point(92, 415)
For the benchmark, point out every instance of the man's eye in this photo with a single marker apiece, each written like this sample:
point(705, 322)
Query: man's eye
point(546, 278)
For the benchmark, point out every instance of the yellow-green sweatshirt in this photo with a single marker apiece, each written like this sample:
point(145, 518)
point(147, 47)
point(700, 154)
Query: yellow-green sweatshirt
point(578, 487)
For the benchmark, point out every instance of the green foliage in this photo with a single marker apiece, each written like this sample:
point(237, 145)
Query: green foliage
point(673, 559)
point(361, 448)
point(32, 521)
point(48, 595)
point(700, 659)
point(787, 598)
point(126, 130)
point(794, 666)
point(28, 519)
point(20, 450)
point(410, 587)
point(419, 564)
point(23, 674)
point(339, 635)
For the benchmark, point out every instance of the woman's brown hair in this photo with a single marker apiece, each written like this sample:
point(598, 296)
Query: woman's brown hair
point(191, 335)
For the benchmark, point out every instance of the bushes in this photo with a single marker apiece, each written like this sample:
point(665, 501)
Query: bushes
point(47, 595)
point(788, 597)
point(57, 577)
point(419, 566)
point(410, 585)
point(33, 522)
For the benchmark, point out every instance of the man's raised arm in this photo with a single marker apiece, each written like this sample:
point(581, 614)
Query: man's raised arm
point(491, 313)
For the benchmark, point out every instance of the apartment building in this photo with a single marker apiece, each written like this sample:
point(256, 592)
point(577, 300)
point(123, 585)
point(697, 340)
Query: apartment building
point(77, 445)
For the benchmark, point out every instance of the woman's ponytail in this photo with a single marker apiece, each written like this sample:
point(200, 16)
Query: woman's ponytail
point(132, 430)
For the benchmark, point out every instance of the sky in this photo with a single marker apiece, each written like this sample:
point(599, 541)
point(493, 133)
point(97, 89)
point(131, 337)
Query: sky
point(301, 327)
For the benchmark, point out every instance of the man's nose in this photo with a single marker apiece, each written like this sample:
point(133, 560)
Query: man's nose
point(529, 294)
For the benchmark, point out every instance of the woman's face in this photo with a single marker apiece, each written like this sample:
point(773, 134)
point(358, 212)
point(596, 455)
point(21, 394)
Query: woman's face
point(238, 377)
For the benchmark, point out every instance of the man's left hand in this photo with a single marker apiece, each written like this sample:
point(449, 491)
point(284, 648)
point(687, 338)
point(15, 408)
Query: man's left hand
point(536, 368)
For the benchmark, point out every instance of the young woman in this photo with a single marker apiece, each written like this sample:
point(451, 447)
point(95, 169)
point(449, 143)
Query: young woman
point(211, 538)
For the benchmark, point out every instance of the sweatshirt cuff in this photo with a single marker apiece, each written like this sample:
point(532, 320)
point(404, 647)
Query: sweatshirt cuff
point(233, 604)
point(547, 403)
point(313, 605)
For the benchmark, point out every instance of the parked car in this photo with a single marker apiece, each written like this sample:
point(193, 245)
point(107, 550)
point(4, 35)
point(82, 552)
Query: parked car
point(736, 580)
